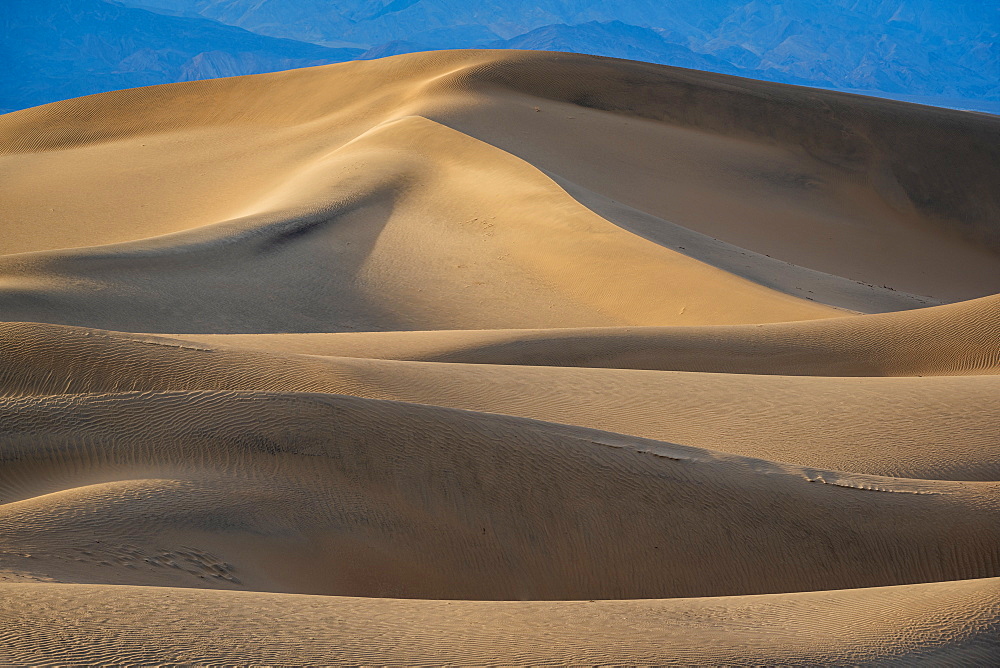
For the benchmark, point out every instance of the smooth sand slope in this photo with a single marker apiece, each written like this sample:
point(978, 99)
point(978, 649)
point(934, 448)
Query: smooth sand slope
point(498, 358)
point(955, 339)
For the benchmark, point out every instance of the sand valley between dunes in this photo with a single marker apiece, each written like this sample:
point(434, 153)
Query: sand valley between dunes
point(481, 357)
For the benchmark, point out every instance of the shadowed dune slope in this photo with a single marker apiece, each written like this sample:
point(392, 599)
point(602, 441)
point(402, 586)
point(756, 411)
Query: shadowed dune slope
point(955, 339)
point(484, 357)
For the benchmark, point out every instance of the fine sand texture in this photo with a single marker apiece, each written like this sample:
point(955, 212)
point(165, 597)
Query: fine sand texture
point(498, 358)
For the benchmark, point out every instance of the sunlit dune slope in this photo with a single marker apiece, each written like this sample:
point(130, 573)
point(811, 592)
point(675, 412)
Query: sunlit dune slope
point(947, 622)
point(486, 357)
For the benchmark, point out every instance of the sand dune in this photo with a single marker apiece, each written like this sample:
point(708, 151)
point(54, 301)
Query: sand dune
point(884, 426)
point(498, 357)
point(955, 339)
point(374, 498)
point(932, 624)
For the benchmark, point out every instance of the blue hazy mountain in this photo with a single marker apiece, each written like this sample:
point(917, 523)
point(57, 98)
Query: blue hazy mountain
point(373, 22)
point(57, 49)
point(935, 51)
point(619, 40)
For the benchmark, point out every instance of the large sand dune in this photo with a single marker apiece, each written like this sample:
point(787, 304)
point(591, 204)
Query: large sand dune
point(514, 358)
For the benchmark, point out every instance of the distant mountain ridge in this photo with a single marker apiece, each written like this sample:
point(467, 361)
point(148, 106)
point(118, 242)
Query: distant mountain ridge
point(946, 53)
point(58, 49)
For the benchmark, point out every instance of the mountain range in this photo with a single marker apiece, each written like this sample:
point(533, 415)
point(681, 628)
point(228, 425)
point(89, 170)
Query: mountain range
point(921, 50)
point(59, 49)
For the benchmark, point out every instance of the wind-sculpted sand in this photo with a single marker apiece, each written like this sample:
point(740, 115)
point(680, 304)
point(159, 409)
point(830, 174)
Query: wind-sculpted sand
point(498, 358)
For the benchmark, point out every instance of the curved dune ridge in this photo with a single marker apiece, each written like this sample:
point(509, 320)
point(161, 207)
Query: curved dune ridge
point(486, 357)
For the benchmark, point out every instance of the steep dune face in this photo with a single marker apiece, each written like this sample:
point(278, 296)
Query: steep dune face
point(336, 260)
point(592, 361)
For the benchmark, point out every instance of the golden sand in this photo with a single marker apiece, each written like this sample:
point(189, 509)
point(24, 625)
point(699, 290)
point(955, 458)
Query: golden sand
point(486, 357)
